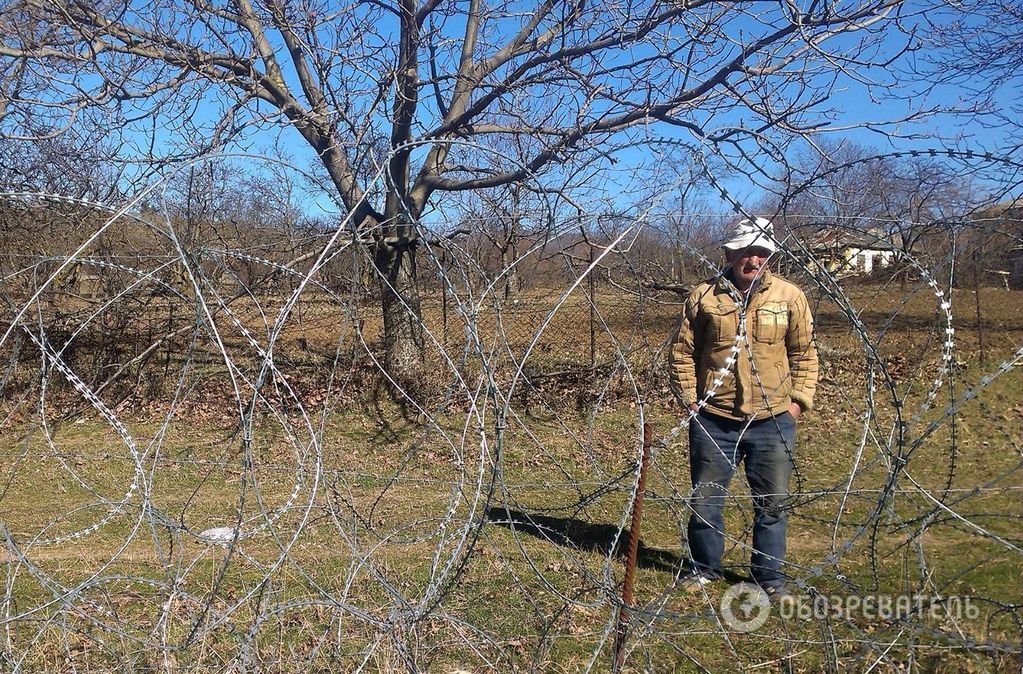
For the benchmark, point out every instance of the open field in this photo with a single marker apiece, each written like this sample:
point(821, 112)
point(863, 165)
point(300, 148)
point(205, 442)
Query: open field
point(482, 530)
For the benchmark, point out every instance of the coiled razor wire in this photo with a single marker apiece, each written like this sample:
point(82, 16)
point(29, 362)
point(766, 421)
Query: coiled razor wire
point(271, 505)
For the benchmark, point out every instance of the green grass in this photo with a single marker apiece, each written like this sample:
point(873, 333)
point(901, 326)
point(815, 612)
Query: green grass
point(513, 601)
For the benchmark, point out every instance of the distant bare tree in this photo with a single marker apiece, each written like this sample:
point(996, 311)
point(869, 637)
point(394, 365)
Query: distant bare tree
point(31, 230)
point(68, 165)
point(506, 223)
point(904, 199)
point(836, 183)
point(923, 198)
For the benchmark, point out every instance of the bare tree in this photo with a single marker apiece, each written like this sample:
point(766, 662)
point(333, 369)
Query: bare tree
point(424, 87)
point(977, 47)
point(923, 199)
point(834, 183)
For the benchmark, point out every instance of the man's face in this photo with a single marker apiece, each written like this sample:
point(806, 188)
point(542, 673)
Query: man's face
point(747, 265)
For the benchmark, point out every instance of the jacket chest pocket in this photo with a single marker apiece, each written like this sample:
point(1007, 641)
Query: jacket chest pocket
point(722, 323)
point(772, 322)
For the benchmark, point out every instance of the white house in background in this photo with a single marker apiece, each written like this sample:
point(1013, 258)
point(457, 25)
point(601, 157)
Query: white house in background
point(846, 252)
point(866, 259)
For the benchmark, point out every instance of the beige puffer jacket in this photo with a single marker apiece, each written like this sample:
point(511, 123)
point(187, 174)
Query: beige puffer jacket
point(784, 364)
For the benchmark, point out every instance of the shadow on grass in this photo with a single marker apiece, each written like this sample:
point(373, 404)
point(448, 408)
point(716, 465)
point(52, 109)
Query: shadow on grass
point(580, 535)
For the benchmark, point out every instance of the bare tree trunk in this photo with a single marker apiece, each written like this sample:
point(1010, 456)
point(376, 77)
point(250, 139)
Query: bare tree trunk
point(399, 295)
point(509, 255)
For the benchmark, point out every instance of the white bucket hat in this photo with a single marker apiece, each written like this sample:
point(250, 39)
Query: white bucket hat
point(746, 234)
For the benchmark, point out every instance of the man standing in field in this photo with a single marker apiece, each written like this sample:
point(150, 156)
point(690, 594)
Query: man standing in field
point(744, 359)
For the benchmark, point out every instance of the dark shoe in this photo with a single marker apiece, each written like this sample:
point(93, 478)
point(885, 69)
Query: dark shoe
point(778, 593)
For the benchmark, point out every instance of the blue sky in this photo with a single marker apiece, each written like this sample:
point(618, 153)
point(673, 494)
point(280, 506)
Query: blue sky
point(856, 108)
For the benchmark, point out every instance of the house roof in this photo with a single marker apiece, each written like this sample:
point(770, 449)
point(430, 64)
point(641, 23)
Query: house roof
point(818, 237)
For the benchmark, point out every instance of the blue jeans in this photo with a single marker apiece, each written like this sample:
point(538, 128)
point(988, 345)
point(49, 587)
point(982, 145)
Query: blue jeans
point(716, 446)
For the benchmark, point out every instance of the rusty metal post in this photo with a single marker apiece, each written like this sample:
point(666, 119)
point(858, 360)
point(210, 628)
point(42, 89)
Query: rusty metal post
point(633, 550)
